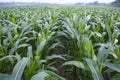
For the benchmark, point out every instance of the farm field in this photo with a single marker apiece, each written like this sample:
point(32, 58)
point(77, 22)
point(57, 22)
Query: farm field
point(59, 43)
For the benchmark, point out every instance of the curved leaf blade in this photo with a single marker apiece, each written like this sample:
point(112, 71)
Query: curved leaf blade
point(18, 69)
point(40, 76)
point(94, 70)
point(78, 64)
point(4, 76)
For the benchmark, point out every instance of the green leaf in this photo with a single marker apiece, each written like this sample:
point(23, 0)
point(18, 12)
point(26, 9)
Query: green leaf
point(109, 32)
point(29, 52)
point(94, 70)
point(117, 52)
point(9, 56)
point(98, 27)
point(4, 76)
point(98, 34)
point(101, 55)
point(54, 74)
point(24, 29)
point(112, 66)
point(87, 45)
point(116, 77)
point(78, 64)
point(18, 69)
point(111, 22)
point(41, 46)
point(88, 17)
point(16, 45)
point(40, 76)
point(52, 68)
point(10, 37)
point(54, 56)
point(23, 45)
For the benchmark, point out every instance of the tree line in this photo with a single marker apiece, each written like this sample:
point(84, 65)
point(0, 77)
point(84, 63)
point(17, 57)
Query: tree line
point(116, 3)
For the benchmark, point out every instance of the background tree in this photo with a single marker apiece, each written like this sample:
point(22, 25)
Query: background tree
point(116, 3)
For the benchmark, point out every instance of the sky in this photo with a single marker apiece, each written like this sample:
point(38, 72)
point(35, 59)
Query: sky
point(58, 1)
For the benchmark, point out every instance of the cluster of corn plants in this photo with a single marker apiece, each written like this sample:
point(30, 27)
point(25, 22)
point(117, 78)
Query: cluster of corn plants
point(37, 42)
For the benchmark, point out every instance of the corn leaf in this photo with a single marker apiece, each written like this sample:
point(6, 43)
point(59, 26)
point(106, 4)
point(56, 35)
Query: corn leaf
point(94, 70)
point(18, 69)
point(40, 76)
point(4, 76)
point(78, 64)
point(112, 66)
